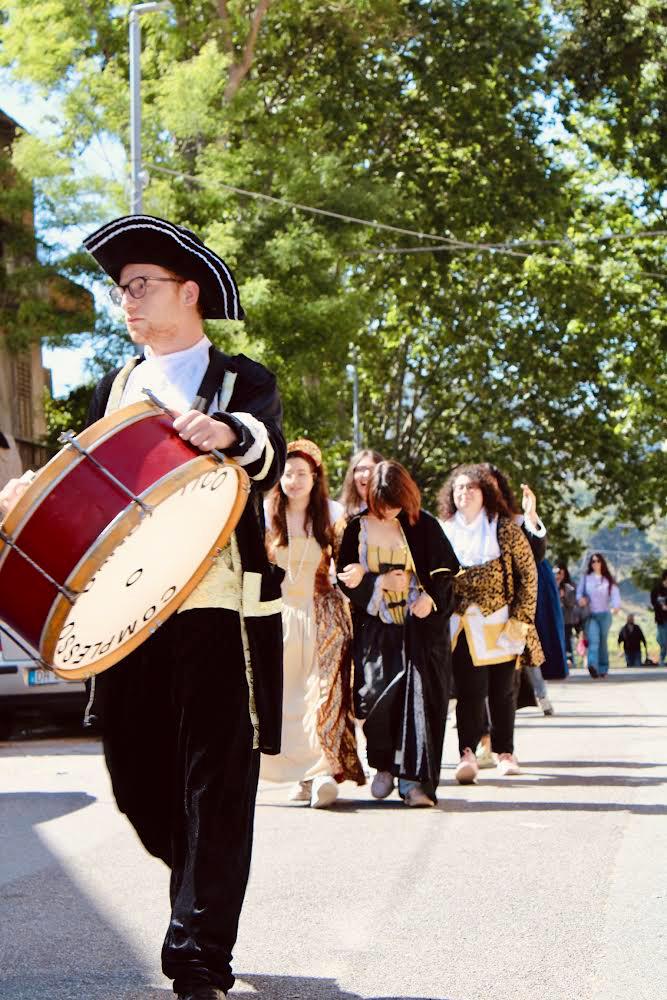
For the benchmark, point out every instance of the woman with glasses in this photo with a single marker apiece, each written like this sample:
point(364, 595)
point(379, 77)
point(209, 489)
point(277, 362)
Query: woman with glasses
point(598, 594)
point(318, 747)
point(493, 623)
point(355, 485)
point(396, 566)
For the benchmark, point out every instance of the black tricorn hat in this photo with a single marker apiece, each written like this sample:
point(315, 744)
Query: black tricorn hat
point(145, 239)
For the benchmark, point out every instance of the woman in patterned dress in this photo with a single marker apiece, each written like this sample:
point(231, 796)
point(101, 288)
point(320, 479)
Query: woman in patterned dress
point(396, 566)
point(318, 748)
point(494, 618)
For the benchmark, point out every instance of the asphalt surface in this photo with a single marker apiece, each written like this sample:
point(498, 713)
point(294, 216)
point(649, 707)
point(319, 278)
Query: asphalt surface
point(550, 885)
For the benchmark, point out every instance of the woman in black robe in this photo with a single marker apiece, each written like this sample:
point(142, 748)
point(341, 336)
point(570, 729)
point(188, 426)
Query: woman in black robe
point(396, 566)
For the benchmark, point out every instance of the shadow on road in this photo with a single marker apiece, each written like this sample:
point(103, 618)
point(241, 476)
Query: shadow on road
point(469, 806)
point(632, 764)
point(305, 988)
point(55, 943)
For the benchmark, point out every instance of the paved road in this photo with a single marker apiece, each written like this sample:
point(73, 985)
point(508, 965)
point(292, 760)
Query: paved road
point(550, 886)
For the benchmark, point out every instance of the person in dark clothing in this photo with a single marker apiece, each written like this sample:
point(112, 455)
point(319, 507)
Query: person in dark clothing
point(659, 605)
point(185, 715)
point(397, 568)
point(632, 639)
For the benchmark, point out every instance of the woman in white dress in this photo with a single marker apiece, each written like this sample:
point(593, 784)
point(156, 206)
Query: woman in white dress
point(318, 747)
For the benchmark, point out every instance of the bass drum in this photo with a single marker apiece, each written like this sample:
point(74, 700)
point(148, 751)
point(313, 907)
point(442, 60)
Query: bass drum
point(111, 537)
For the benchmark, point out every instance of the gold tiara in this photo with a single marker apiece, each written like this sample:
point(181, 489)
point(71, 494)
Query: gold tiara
point(302, 446)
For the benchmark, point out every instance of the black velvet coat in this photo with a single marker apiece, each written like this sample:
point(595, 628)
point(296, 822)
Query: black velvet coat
point(403, 672)
point(254, 392)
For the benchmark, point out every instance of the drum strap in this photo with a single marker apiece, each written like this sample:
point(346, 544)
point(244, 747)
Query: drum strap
point(216, 374)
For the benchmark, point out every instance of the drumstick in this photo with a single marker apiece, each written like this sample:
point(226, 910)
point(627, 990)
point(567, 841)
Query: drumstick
point(170, 413)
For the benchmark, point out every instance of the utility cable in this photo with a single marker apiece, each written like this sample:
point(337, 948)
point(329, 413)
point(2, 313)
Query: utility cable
point(452, 244)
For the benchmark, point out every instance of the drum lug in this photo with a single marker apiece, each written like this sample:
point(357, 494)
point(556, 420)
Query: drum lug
point(69, 437)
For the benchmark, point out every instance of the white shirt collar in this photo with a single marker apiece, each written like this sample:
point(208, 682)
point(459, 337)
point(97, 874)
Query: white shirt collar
point(168, 362)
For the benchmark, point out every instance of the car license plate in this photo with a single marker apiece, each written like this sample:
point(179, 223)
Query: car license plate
point(38, 676)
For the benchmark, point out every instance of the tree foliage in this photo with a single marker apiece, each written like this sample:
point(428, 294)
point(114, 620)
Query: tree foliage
point(520, 332)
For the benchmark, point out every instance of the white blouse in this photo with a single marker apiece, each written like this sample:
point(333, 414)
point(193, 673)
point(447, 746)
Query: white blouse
point(474, 543)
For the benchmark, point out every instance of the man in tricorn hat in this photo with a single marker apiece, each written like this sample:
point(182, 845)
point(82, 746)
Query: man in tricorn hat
point(185, 716)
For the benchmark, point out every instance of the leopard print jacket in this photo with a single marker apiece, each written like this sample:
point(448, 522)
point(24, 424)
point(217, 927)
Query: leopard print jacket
point(509, 580)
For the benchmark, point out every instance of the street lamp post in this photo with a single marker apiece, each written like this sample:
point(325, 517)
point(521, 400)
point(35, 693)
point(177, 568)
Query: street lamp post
point(353, 374)
point(136, 196)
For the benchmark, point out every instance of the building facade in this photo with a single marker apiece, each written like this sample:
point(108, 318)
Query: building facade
point(23, 378)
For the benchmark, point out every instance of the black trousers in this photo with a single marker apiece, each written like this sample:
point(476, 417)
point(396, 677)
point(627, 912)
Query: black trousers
point(473, 686)
point(178, 745)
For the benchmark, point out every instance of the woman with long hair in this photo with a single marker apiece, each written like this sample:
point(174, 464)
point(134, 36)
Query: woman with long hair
point(355, 485)
point(494, 616)
point(396, 566)
point(598, 596)
point(318, 748)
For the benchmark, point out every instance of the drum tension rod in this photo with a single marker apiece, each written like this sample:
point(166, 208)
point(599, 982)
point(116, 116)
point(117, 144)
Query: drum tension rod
point(69, 437)
point(32, 654)
point(67, 592)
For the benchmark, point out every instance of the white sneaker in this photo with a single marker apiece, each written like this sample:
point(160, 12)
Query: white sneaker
point(485, 757)
point(546, 706)
point(466, 772)
point(382, 785)
point(300, 792)
point(508, 765)
point(324, 793)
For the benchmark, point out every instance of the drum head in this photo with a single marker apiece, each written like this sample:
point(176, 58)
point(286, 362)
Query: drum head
point(144, 566)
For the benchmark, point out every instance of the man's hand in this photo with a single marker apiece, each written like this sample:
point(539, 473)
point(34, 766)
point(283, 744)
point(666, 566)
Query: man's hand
point(529, 505)
point(204, 432)
point(351, 575)
point(423, 606)
point(13, 491)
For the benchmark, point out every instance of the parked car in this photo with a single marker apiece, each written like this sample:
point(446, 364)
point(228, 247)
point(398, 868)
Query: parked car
point(28, 689)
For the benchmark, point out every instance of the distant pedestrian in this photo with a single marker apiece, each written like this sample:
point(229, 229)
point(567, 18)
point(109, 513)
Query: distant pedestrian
point(632, 638)
point(599, 596)
point(568, 603)
point(659, 604)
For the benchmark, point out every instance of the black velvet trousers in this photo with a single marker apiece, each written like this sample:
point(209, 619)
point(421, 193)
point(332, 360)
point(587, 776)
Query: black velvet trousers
point(178, 745)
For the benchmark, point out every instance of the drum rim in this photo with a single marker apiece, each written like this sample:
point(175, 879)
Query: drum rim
point(66, 460)
point(166, 486)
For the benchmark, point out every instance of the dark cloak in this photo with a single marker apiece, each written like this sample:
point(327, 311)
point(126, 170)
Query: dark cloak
point(403, 672)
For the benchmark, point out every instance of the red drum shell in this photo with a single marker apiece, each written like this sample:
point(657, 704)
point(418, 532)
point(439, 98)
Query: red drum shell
point(71, 503)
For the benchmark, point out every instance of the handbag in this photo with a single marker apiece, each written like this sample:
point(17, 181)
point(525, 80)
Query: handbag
point(582, 645)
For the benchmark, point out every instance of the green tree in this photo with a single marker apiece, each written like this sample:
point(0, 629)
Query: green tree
point(519, 334)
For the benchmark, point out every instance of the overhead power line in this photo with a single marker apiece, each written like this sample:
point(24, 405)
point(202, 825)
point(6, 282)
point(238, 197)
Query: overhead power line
point(447, 244)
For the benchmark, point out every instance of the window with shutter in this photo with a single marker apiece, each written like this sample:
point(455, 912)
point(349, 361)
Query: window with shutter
point(23, 396)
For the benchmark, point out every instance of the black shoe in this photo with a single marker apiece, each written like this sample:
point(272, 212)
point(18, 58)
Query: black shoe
point(203, 993)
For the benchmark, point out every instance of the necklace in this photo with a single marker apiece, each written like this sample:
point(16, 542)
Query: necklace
point(293, 577)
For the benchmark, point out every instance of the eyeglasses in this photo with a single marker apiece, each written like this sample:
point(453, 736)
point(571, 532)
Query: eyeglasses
point(595, 559)
point(362, 470)
point(136, 287)
point(466, 487)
